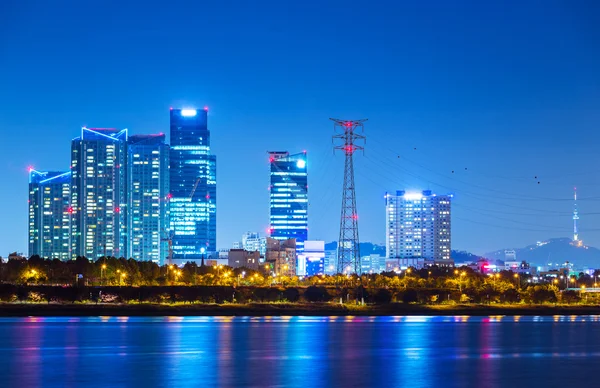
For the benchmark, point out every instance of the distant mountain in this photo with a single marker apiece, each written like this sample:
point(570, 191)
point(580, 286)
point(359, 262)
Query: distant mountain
point(556, 250)
point(465, 257)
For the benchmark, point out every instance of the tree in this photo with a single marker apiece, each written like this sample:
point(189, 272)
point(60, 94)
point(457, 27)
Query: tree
point(382, 296)
point(570, 296)
point(316, 294)
point(291, 294)
point(410, 295)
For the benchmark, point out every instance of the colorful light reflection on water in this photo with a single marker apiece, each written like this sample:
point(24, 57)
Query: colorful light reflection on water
point(300, 351)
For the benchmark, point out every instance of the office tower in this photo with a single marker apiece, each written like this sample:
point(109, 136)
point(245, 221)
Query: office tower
point(252, 242)
point(289, 197)
point(193, 187)
point(147, 191)
point(49, 214)
point(98, 193)
point(417, 227)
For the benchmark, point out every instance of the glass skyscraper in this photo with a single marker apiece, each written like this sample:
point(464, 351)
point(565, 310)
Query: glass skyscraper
point(147, 191)
point(289, 197)
point(50, 214)
point(193, 186)
point(98, 193)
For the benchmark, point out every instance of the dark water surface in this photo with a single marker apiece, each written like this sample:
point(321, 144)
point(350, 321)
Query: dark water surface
point(561, 351)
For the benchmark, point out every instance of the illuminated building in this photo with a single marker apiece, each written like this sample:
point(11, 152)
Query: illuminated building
point(193, 187)
point(330, 261)
point(148, 188)
point(49, 214)
point(311, 261)
point(289, 197)
point(98, 193)
point(373, 263)
point(417, 227)
point(252, 242)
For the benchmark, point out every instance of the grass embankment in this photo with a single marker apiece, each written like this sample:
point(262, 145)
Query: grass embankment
point(285, 309)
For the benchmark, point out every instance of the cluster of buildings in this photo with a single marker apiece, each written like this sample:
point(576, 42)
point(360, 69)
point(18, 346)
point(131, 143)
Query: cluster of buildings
point(139, 197)
point(129, 196)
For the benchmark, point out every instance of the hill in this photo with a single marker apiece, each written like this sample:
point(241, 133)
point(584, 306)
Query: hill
point(556, 250)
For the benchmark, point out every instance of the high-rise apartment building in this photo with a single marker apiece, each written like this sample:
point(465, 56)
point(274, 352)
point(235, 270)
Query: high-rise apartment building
point(289, 197)
point(98, 193)
point(193, 187)
point(418, 226)
point(147, 195)
point(50, 214)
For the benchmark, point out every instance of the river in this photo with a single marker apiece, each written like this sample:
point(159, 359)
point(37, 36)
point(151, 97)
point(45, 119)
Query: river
point(561, 351)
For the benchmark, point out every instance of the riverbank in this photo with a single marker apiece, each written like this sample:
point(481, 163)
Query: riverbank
point(285, 309)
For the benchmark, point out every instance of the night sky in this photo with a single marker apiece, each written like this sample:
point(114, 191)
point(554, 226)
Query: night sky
point(495, 103)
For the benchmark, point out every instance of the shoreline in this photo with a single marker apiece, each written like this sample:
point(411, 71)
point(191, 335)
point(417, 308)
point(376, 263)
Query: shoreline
point(283, 309)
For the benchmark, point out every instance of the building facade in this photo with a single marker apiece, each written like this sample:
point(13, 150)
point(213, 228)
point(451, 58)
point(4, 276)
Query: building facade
point(253, 242)
point(238, 258)
point(50, 214)
point(331, 260)
point(418, 227)
point(98, 193)
point(289, 197)
point(311, 261)
point(147, 194)
point(193, 187)
point(280, 258)
point(373, 263)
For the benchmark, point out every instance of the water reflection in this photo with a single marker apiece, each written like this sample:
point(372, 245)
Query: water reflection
point(299, 351)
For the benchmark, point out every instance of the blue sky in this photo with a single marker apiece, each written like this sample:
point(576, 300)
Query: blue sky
point(472, 98)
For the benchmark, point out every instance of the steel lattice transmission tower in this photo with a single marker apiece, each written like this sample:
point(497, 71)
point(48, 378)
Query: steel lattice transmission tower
point(348, 248)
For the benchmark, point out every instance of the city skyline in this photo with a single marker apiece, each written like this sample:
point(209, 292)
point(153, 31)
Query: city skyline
point(446, 112)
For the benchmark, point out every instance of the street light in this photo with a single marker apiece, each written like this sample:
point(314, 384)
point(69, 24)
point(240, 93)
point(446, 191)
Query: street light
point(102, 268)
point(122, 277)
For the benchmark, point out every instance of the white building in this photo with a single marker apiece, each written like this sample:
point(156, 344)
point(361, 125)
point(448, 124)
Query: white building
point(331, 261)
point(418, 226)
point(252, 242)
point(311, 261)
point(373, 263)
point(510, 255)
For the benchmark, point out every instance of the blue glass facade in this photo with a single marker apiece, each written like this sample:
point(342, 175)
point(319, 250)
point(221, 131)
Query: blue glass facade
point(50, 214)
point(147, 191)
point(289, 197)
point(98, 193)
point(193, 186)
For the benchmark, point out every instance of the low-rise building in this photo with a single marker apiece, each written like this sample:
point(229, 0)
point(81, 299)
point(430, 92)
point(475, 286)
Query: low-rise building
point(240, 258)
point(311, 262)
point(281, 256)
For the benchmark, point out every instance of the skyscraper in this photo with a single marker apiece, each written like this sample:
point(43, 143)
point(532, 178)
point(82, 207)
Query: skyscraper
point(147, 191)
point(50, 214)
point(98, 193)
point(289, 197)
point(418, 226)
point(193, 186)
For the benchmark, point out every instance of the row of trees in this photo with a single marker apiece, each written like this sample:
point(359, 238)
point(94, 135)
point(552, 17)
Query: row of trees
point(544, 294)
point(471, 286)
